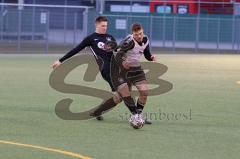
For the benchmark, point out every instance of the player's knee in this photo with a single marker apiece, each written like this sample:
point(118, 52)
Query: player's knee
point(117, 100)
point(143, 96)
point(117, 97)
point(123, 90)
point(144, 93)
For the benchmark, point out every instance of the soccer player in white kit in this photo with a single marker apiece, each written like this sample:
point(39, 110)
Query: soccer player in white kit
point(130, 72)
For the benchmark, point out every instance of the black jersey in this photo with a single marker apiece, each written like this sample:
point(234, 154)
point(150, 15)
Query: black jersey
point(96, 43)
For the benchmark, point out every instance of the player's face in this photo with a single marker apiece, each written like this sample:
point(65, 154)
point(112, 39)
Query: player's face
point(138, 35)
point(101, 27)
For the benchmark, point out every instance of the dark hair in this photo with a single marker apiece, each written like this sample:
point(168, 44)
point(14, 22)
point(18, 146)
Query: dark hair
point(101, 19)
point(136, 27)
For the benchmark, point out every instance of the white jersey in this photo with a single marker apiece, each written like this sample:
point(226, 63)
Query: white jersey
point(133, 55)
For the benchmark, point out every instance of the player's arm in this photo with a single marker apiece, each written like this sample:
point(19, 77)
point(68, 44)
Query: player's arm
point(86, 42)
point(124, 46)
point(148, 55)
point(111, 45)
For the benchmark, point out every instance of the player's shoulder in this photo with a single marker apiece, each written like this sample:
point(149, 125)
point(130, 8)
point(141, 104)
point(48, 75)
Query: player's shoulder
point(128, 37)
point(90, 36)
point(145, 39)
point(110, 37)
point(127, 43)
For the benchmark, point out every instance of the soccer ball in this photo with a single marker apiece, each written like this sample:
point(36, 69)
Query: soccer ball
point(136, 121)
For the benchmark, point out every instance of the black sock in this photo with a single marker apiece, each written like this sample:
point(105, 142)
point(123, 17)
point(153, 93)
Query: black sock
point(140, 107)
point(129, 102)
point(105, 106)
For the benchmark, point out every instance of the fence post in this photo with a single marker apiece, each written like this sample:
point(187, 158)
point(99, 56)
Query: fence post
point(197, 33)
point(3, 13)
point(85, 22)
point(218, 33)
point(75, 28)
point(164, 23)
point(233, 32)
point(163, 30)
point(238, 45)
point(151, 25)
point(174, 32)
point(19, 30)
point(64, 22)
point(1, 24)
point(207, 28)
point(33, 21)
point(47, 32)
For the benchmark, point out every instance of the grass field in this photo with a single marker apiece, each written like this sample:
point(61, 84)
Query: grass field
point(205, 96)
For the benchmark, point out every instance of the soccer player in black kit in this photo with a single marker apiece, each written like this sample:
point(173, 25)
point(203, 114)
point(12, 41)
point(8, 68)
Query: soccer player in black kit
point(97, 43)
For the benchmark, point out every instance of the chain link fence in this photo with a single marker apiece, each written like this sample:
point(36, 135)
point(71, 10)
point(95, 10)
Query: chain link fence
point(57, 28)
point(210, 32)
point(42, 28)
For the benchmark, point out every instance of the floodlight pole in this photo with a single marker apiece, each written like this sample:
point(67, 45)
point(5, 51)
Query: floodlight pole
point(20, 2)
point(100, 6)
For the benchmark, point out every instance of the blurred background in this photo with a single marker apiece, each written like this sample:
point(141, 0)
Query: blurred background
point(55, 26)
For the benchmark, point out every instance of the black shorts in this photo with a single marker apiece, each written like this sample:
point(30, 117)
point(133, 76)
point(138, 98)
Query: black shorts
point(107, 77)
point(130, 76)
point(135, 74)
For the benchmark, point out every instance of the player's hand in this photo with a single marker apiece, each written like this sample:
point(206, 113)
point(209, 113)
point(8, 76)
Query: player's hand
point(125, 64)
point(56, 64)
point(154, 58)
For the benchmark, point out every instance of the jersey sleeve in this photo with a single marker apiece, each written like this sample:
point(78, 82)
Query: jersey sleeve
point(147, 53)
point(126, 44)
point(113, 38)
point(86, 42)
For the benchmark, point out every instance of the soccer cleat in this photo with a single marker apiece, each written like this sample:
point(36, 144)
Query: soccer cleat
point(148, 122)
point(99, 118)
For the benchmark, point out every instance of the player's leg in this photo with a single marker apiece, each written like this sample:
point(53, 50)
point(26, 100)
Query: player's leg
point(107, 105)
point(111, 102)
point(143, 90)
point(125, 93)
point(136, 76)
point(116, 97)
point(120, 84)
point(118, 77)
point(136, 120)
